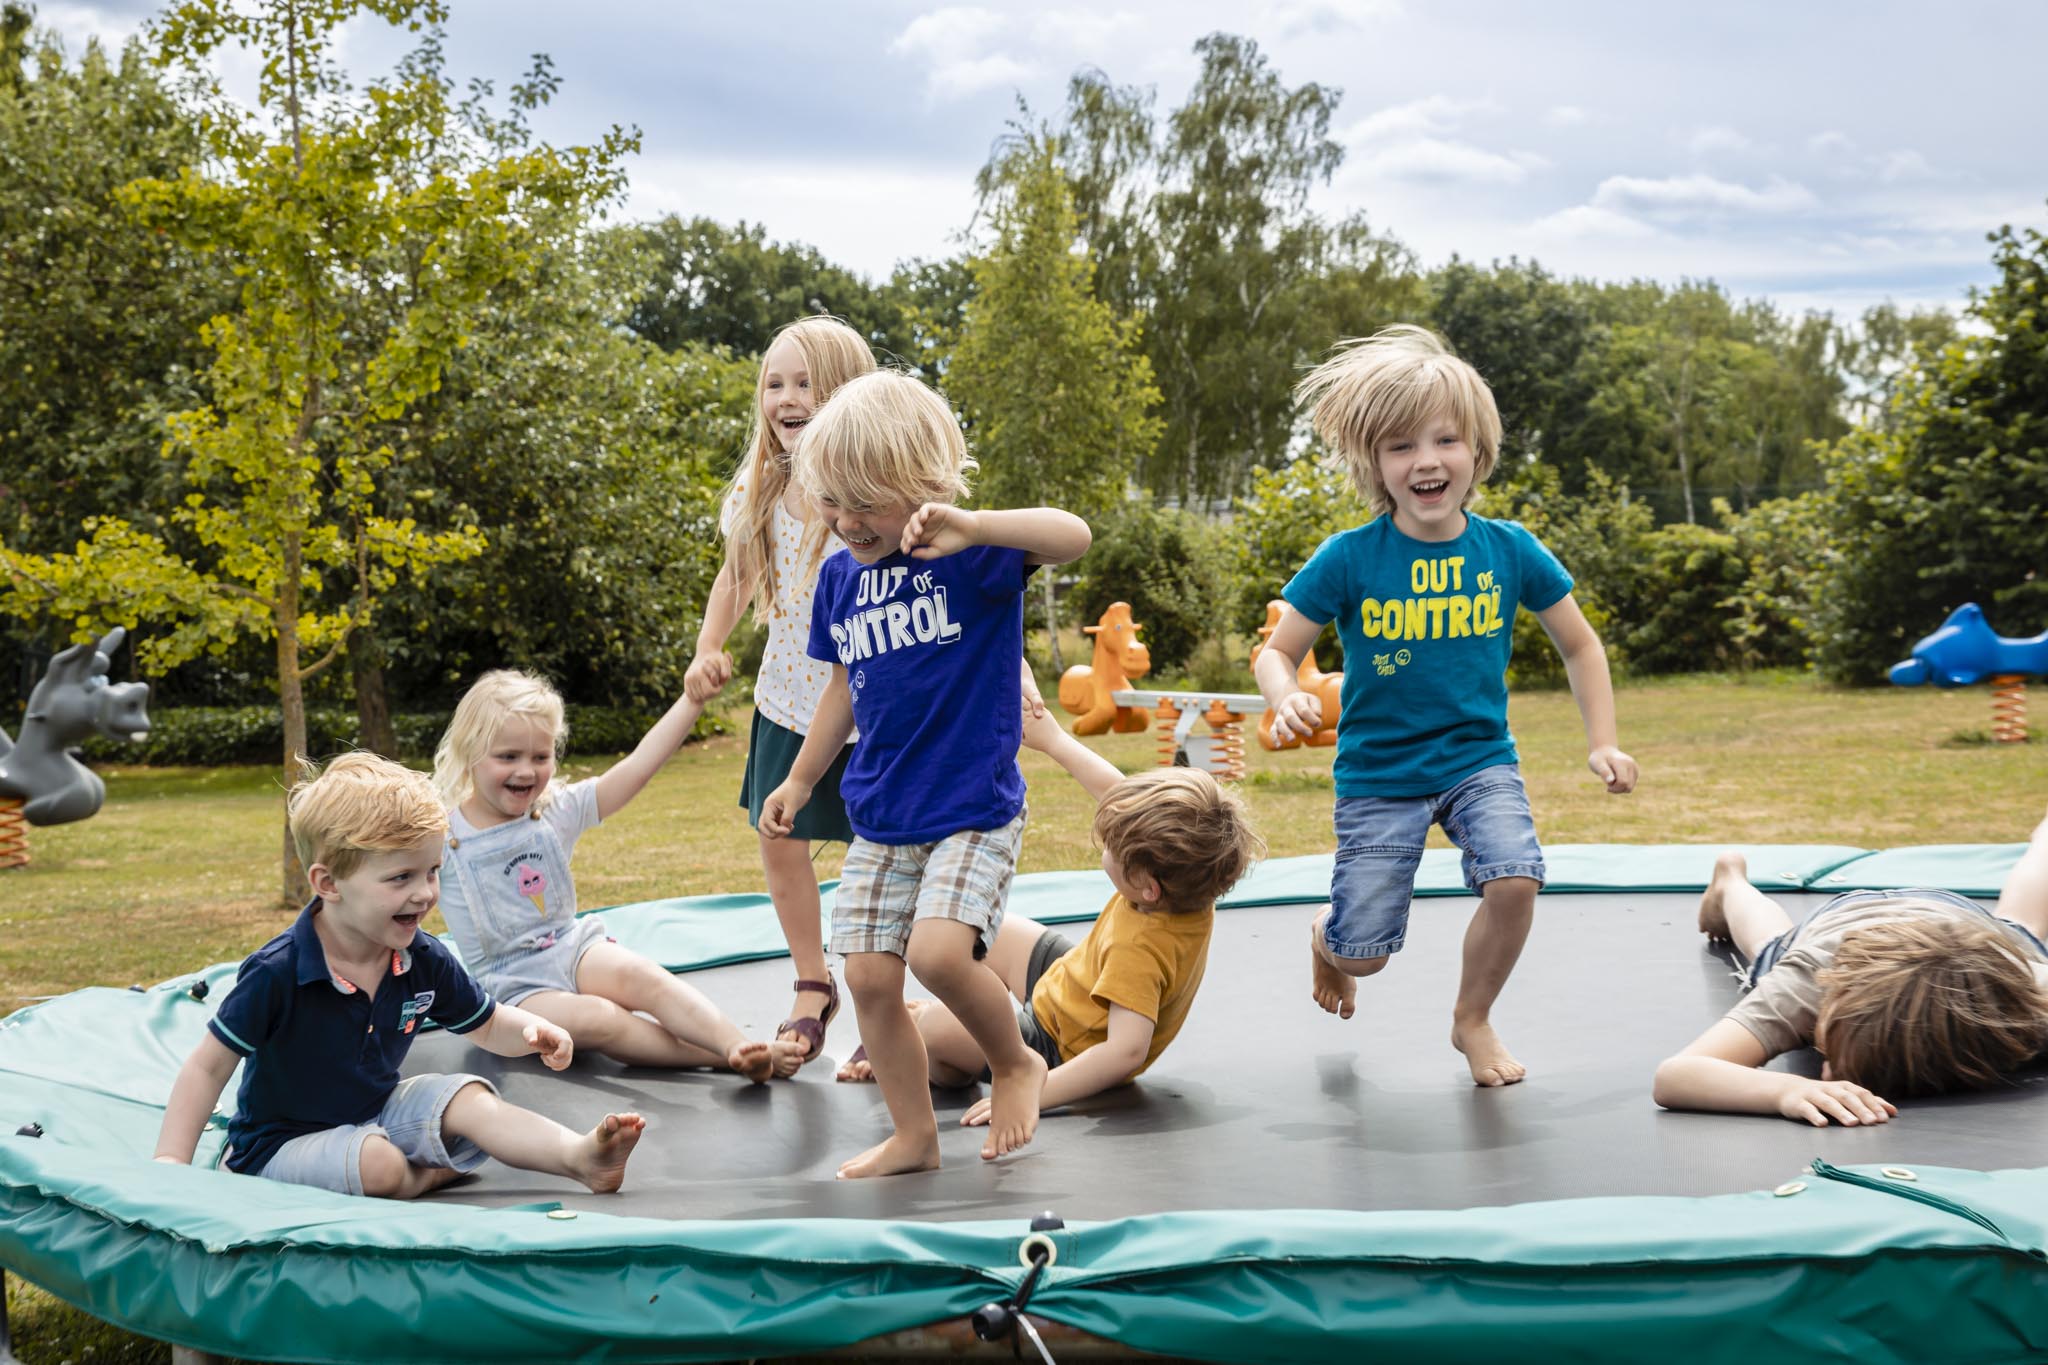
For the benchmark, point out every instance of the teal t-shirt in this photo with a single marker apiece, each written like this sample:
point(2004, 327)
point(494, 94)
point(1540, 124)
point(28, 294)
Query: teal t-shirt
point(1427, 628)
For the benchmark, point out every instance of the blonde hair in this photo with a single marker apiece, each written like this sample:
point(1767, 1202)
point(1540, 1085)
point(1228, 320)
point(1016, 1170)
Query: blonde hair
point(1390, 384)
point(1914, 1007)
point(493, 699)
point(1183, 829)
point(833, 353)
point(882, 439)
point(361, 804)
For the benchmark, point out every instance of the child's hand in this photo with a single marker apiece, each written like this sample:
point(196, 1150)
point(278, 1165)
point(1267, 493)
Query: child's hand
point(1846, 1102)
point(551, 1042)
point(1041, 730)
point(1299, 713)
point(706, 675)
point(778, 812)
point(938, 529)
point(1613, 767)
point(977, 1113)
point(1034, 700)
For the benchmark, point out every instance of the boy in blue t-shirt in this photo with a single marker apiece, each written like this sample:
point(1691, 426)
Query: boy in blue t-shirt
point(324, 1014)
point(922, 619)
point(1424, 596)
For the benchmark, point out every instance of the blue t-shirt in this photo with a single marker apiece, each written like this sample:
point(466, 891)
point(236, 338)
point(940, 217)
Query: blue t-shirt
point(1427, 628)
point(932, 649)
point(317, 1052)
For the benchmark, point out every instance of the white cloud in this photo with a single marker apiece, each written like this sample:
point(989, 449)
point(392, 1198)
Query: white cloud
point(1566, 116)
point(1072, 33)
point(1436, 114)
point(1716, 140)
point(1830, 143)
point(956, 41)
point(1296, 17)
point(1440, 159)
point(1585, 222)
point(78, 24)
point(1695, 195)
point(1905, 164)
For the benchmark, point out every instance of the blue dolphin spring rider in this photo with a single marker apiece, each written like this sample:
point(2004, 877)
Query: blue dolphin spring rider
point(1965, 651)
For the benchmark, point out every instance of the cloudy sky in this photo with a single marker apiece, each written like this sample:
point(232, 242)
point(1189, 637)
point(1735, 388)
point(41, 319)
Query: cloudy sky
point(1826, 155)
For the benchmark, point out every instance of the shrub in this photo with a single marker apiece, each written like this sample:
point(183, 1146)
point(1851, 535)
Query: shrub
point(1175, 570)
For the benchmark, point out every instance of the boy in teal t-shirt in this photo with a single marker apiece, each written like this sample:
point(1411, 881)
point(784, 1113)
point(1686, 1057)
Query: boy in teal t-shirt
point(1424, 596)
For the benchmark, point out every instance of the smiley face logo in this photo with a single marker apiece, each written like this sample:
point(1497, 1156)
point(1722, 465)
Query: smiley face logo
point(1402, 658)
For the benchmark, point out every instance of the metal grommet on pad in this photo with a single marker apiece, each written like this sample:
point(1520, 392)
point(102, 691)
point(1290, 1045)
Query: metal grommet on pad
point(1790, 1187)
point(1897, 1173)
point(1046, 1250)
point(561, 1215)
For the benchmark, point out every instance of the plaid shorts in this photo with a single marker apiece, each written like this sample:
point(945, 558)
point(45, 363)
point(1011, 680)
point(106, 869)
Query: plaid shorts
point(885, 888)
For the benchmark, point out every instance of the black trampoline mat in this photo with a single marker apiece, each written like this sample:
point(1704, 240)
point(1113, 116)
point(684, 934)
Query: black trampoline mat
point(1264, 1101)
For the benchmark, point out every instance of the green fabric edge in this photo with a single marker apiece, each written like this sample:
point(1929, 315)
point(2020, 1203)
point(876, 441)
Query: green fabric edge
point(270, 1271)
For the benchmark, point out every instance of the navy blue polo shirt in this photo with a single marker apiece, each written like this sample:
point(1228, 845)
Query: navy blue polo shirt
point(319, 1053)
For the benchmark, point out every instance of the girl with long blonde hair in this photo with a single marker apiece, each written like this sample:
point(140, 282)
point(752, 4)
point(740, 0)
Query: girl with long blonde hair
point(774, 547)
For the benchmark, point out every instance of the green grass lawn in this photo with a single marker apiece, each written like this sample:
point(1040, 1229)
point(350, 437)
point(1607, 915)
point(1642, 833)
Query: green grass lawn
point(179, 870)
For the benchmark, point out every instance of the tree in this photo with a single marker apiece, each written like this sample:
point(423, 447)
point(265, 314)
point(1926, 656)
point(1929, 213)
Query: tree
point(99, 316)
point(1058, 398)
point(1528, 334)
point(1203, 229)
point(283, 464)
point(1887, 345)
point(1944, 505)
point(720, 286)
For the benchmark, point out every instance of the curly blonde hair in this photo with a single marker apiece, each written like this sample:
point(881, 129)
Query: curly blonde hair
point(1915, 1007)
point(884, 439)
point(1391, 384)
point(493, 699)
point(1182, 828)
point(361, 804)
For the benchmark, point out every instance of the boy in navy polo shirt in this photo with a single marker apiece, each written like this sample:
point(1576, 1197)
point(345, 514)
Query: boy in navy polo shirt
point(922, 620)
point(1424, 596)
point(324, 1014)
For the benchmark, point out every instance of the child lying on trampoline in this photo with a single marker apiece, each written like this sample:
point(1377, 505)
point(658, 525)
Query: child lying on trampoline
point(1906, 992)
point(1172, 841)
point(323, 1015)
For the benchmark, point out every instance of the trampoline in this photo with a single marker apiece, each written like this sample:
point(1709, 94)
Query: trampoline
point(1279, 1183)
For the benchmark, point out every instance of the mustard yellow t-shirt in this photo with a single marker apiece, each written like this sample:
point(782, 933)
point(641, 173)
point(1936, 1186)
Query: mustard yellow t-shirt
point(1150, 963)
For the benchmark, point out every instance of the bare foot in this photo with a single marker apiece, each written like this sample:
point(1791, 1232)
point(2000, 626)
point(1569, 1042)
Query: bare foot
point(1013, 1106)
point(787, 1058)
point(1486, 1054)
point(1335, 991)
point(857, 1067)
point(753, 1060)
point(600, 1157)
point(1729, 869)
point(894, 1155)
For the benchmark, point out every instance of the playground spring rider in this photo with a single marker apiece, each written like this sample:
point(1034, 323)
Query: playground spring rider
point(1100, 697)
point(1966, 650)
point(41, 780)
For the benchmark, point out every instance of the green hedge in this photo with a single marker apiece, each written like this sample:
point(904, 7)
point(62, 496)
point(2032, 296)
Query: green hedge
point(211, 735)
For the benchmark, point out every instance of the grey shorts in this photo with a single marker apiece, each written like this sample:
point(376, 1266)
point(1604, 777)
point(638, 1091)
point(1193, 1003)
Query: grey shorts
point(885, 888)
point(1050, 948)
point(551, 967)
point(332, 1159)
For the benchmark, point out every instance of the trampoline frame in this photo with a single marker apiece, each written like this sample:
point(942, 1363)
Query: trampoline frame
point(1863, 1260)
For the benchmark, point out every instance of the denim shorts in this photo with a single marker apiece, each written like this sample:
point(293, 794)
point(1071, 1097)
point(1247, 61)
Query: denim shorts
point(1768, 955)
point(1379, 848)
point(332, 1159)
point(550, 966)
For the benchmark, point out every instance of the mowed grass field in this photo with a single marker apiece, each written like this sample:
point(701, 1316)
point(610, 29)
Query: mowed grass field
point(180, 868)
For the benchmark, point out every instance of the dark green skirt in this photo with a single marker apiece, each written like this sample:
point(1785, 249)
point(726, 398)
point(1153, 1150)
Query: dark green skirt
point(771, 752)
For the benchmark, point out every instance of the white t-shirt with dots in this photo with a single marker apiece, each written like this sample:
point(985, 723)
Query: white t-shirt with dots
point(791, 681)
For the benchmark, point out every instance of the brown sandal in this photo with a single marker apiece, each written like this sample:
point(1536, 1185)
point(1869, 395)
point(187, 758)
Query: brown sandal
point(812, 1031)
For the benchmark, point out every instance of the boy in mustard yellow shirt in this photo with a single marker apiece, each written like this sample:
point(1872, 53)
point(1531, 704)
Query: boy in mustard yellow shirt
point(1100, 1013)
